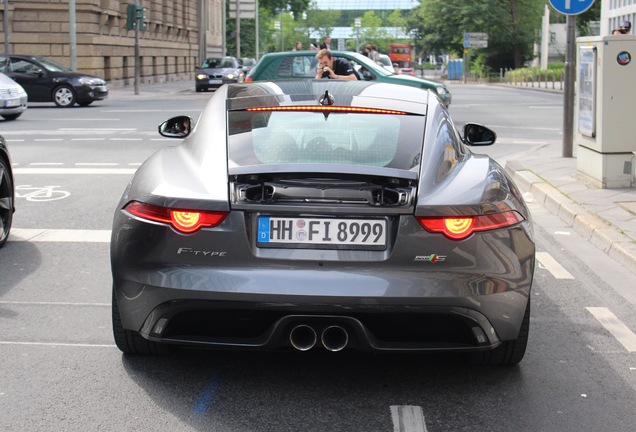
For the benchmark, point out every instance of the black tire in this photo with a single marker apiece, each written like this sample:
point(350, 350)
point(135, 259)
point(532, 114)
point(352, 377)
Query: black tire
point(509, 353)
point(11, 116)
point(130, 342)
point(64, 96)
point(6, 201)
point(85, 103)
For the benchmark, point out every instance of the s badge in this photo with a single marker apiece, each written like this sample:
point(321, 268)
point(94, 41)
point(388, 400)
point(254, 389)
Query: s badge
point(430, 258)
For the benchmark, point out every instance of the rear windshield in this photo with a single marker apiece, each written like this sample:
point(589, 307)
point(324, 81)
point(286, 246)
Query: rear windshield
point(383, 140)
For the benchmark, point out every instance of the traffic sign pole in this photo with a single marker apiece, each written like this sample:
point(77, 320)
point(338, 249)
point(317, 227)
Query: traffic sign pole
point(571, 8)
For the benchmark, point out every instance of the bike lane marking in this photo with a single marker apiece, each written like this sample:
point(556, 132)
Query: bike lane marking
point(615, 326)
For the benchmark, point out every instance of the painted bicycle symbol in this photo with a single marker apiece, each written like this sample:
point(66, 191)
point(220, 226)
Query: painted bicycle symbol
point(41, 193)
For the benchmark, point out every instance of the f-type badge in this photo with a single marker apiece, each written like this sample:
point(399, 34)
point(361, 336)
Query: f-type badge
point(430, 258)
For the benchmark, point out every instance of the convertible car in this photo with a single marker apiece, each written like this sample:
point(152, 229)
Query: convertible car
point(323, 214)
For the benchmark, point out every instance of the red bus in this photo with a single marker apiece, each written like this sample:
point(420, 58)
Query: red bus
point(402, 54)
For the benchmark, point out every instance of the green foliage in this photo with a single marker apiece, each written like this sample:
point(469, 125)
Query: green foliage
point(511, 26)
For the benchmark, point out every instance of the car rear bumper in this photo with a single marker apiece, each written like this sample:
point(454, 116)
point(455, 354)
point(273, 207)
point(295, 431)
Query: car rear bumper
point(374, 321)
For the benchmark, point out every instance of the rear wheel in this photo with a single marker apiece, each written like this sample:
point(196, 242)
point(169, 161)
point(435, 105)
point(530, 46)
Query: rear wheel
point(130, 342)
point(509, 353)
point(6, 201)
point(64, 96)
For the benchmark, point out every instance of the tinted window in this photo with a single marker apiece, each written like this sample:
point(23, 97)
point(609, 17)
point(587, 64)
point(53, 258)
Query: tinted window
point(311, 137)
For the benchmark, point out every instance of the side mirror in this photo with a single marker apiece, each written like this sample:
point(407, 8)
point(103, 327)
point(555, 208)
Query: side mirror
point(176, 127)
point(478, 135)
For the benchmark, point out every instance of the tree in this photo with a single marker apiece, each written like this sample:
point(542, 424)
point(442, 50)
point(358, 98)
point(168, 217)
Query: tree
point(439, 26)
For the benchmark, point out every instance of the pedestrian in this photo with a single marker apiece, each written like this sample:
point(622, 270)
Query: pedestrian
point(334, 68)
point(326, 44)
point(313, 47)
point(624, 29)
point(298, 46)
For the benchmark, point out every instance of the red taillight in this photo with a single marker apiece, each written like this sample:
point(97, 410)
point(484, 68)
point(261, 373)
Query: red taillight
point(248, 79)
point(458, 228)
point(185, 221)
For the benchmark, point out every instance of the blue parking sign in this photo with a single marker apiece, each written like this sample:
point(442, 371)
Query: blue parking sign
point(571, 7)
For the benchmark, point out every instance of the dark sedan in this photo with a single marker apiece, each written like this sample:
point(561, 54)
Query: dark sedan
point(47, 81)
point(302, 65)
point(216, 71)
point(7, 194)
point(323, 213)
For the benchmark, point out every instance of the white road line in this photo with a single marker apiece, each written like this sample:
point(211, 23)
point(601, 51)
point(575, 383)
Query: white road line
point(53, 344)
point(557, 270)
point(31, 303)
point(97, 129)
point(46, 163)
point(48, 139)
point(407, 418)
point(615, 326)
point(65, 171)
point(60, 235)
point(96, 164)
point(88, 139)
point(529, 142)
point(125, 139)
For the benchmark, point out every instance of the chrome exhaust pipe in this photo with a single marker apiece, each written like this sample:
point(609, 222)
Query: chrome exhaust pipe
point(334, 338)
point(303, 337)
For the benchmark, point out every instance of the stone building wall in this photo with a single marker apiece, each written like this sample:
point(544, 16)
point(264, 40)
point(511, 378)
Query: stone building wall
point(169, 46)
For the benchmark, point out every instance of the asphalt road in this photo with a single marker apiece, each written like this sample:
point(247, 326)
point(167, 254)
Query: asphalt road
point(62, 372)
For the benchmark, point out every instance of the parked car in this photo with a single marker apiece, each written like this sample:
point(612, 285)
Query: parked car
point(406, 71)
point(7, 193)
point(302, 65)
point(247, 64)
point(341, 214)
point(385, 61)
point(216, 71)
point(13, 98)
point(45, 80)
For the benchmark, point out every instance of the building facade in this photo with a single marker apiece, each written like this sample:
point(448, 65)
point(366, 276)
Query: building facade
point(178, 34)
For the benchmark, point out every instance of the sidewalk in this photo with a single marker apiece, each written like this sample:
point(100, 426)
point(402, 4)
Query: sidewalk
point(605, 217)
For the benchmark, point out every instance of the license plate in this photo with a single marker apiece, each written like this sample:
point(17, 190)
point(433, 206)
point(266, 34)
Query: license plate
point(102, 88)
point(368, 234)
point(12, 103)
point(217, 81)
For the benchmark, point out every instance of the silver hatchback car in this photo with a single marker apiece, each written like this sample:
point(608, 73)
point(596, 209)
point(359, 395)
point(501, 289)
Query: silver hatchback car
point(13, 98)
point(339, 214)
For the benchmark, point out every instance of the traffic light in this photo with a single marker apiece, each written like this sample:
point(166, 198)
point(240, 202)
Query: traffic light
point(131, 16)
point(135, 13)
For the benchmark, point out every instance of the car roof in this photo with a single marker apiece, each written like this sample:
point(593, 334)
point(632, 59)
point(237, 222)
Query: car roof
point(346, 93)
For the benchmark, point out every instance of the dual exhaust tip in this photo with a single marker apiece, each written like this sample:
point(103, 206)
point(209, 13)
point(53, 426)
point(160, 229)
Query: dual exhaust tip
point(303, 337)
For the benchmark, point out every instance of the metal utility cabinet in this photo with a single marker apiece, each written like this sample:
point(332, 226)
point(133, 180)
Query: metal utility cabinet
point(605, 115)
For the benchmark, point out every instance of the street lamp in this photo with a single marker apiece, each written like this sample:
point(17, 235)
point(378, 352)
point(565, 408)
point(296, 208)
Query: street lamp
point(276, 27)
point(357, 23)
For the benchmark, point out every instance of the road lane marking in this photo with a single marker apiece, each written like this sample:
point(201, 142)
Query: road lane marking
point(60, 235)
point(97, 129)
point(40, 303)
point(66, 171)
point(46, 163)
point(96, 164)
point(557, 270)
point(55, 344)
point(620, 331)
point(407, 418)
